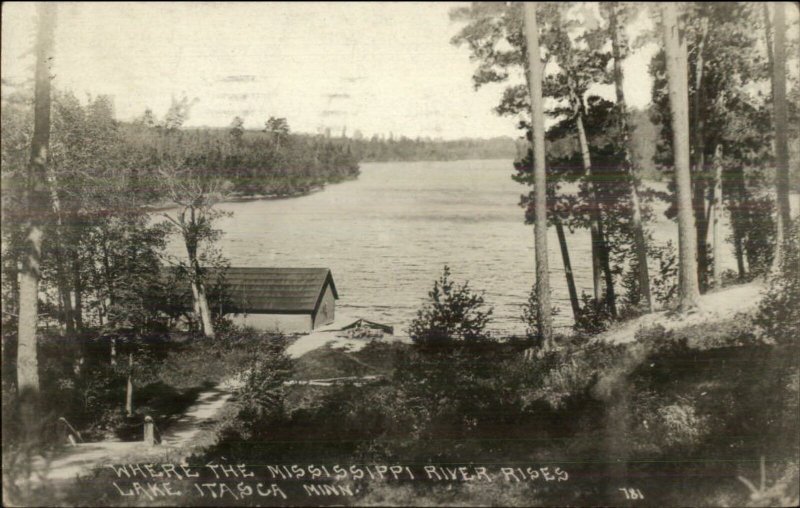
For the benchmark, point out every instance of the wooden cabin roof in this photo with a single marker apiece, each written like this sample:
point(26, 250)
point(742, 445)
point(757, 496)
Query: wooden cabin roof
point(276, 290)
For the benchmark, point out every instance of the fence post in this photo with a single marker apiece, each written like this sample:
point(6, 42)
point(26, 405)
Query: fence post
point(149, 431)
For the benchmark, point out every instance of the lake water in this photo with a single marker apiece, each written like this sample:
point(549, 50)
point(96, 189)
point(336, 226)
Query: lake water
point(387, 235)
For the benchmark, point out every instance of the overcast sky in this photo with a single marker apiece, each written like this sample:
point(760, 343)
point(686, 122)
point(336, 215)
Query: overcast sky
point(376, 67)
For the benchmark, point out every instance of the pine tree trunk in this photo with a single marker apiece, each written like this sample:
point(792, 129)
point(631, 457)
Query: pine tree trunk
point(639, 245)
point(36, 202)
point(701, 219)
point(780, 107)
point(573, 293)
point(675, 47)
point(540, 176)
point(716, 217)
point(597, 271)
point(601, 266)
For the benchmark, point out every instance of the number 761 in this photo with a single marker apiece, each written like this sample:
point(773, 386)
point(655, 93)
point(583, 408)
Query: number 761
point(632, 493)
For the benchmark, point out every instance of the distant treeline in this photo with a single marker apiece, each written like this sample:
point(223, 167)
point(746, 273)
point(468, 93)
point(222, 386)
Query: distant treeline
point(251, 163)
point(88, 143)
point(378, 149)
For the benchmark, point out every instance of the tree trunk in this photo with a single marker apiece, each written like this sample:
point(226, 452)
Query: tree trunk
point(701, 219)
point(129, 387)
point(736, 221)
point(36, 202)
point(58, 253)
point(573, 293)
point(77, 286)
point(716, 217)
point(779, 107)
point(597, 271)
point(675, 47)
point(600, 256)
point(639, 245)
point(539, 174)
point(200, 301)
point(198, 289)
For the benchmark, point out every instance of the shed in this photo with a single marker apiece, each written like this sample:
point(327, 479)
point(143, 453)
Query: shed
point(285, 299)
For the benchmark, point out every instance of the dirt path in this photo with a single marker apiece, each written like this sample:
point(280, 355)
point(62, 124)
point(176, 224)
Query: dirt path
point(714, 307)
point(176, 442)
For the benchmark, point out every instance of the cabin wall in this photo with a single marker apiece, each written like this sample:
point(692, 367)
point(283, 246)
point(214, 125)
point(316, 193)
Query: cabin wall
point(326, 310)
point(287, 323)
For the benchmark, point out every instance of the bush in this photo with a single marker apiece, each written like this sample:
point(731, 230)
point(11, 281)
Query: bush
point(530, 316)
point(453, 313)
point(779, 312)
point(665, 282)
point(594, 316)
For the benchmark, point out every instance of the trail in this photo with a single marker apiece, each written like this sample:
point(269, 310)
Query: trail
point(177, 442)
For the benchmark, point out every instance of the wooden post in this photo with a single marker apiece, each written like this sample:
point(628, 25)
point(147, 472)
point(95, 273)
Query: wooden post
point(149, 431)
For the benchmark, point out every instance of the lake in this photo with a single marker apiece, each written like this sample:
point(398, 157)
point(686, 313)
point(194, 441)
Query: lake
point(387, 235)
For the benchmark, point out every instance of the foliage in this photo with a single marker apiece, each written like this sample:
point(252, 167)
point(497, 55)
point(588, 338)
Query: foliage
point(530, 315)
point(734, 114)
point(260, 399)
point(665, 282)
point(576, 42)
point(594, 316)
point(454, 313)
point(779, 311)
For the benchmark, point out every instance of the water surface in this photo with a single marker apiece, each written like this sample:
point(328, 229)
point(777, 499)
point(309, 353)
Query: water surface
point(387, 235)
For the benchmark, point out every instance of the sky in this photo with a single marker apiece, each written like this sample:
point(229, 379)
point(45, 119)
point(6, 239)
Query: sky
point(379, 68)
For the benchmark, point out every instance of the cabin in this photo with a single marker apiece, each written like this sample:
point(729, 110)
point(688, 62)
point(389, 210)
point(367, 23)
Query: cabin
point(287, 299)
point(291, 300)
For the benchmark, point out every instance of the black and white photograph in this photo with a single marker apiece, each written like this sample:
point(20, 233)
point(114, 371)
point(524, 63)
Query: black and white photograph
point(400, 254)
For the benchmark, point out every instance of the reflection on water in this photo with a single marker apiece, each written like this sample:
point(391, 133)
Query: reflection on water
point(387, 235)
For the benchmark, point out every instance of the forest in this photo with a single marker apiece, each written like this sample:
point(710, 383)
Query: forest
point(698, 406)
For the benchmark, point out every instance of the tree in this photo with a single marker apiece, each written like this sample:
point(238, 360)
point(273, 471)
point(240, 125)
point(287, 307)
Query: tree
point(535, 77)
point(780, 109)
point(37, 206)
point(278, 129)
point(676, 59)
point(195, 194)
point(725, 61)
point(237, 130)
point(615, 12)
point(581, 67)
point(494, 35)
point(454, 314)
point(177, 114)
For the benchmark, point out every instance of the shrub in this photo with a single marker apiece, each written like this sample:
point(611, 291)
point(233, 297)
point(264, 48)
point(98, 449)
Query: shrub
point(665, 282)
point(530, 316)
point(453, 313)
point(594, 316)
point(779, 312)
